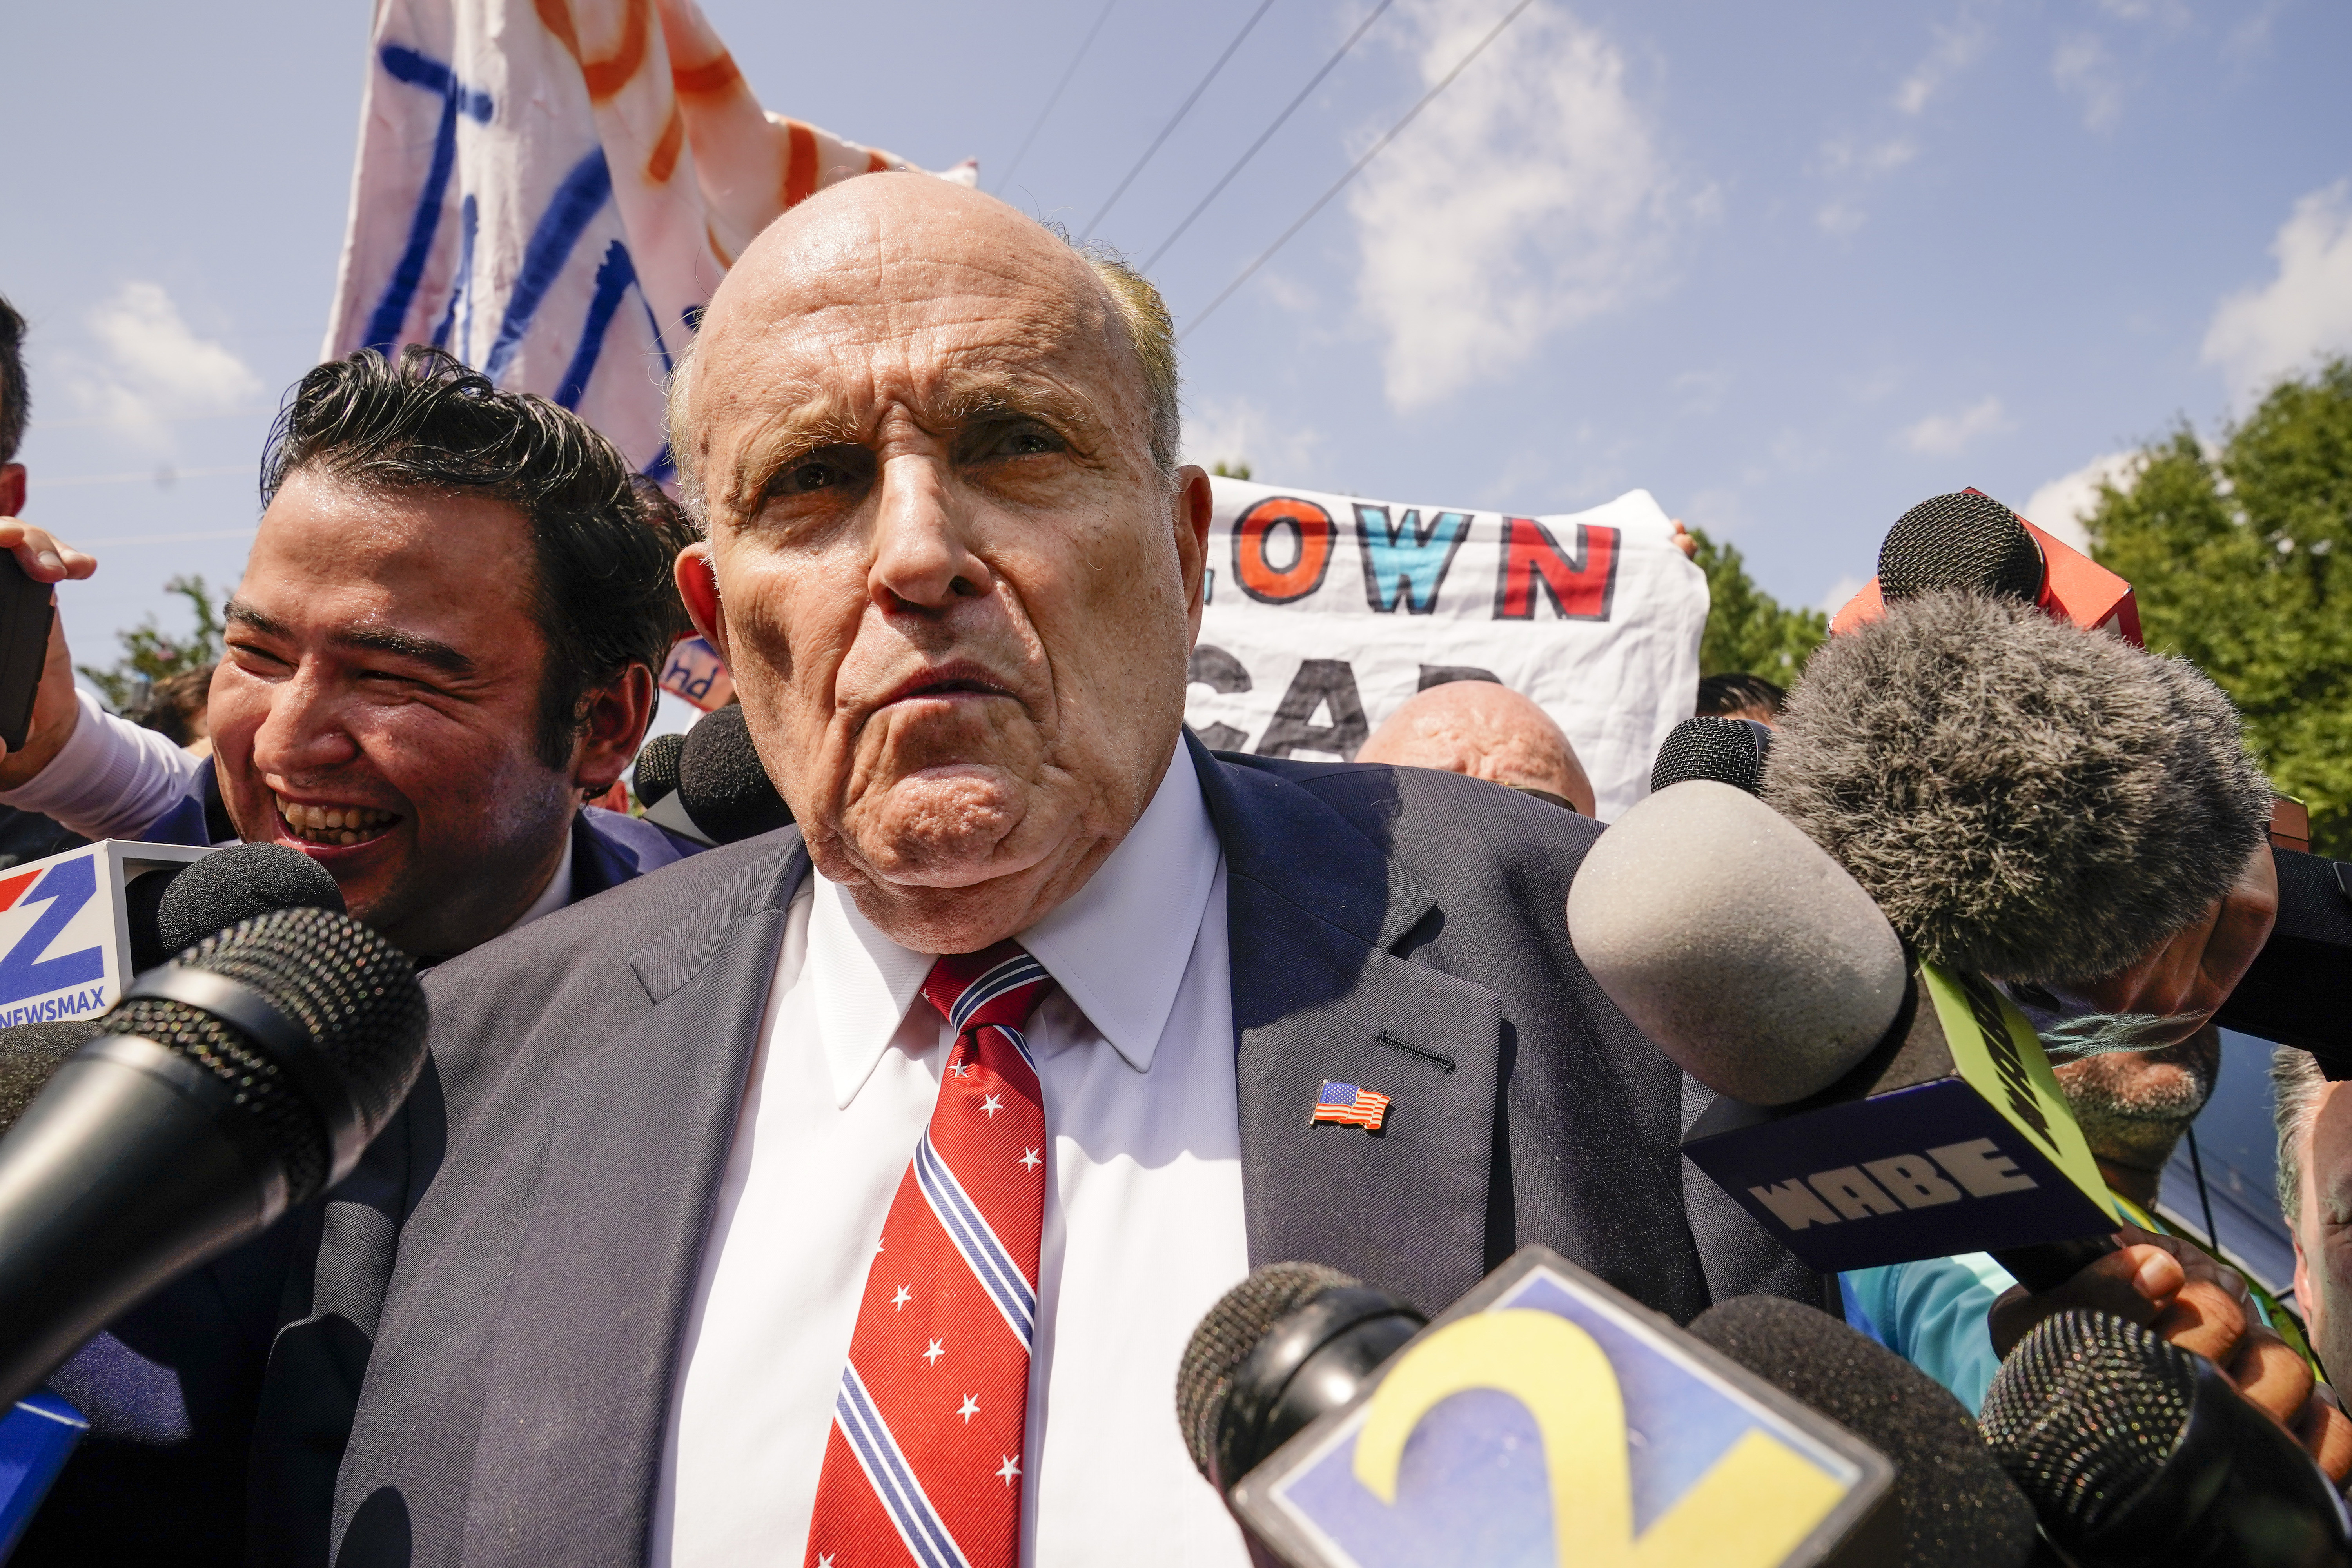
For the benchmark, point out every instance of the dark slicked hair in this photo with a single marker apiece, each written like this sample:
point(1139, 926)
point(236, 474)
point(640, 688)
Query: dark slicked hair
point(16, 396)
point(605, 599)
point(2024, 798)
point(1721, 694)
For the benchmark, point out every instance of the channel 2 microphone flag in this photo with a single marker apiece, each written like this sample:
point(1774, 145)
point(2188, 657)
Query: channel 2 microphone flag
point(552, 189)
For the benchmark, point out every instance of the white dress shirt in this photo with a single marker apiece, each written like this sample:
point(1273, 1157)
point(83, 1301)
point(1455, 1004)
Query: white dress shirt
point(1143, 1228)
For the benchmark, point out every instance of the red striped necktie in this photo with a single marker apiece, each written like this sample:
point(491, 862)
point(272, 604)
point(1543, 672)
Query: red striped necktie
point(923, 1464)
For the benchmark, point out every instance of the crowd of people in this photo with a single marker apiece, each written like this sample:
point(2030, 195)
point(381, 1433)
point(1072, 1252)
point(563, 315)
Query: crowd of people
point(644, 1263)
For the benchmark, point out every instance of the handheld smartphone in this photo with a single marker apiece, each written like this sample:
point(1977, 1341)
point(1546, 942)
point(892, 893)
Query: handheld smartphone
point(25, 614)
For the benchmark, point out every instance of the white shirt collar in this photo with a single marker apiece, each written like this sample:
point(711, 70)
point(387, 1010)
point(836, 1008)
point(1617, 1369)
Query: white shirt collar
point(556, 894)
point(1117, 947)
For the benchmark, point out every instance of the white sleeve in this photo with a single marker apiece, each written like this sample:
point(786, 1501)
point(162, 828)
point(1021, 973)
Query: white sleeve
point(111, 779)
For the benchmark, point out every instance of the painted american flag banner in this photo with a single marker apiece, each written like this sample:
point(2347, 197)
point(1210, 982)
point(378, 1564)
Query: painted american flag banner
point(1327, 611)
point(550, 190)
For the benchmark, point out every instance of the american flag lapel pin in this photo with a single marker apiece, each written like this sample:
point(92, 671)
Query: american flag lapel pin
point(1346, 1105)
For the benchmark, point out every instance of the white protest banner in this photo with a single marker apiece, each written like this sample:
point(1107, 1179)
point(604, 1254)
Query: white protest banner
point(1327, 611)
point(550, 190)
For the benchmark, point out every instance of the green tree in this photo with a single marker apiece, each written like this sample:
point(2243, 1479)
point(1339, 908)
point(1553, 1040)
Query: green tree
point(150, 653)
point(1748, 630)
point(1238, 468)
point(2232, 552)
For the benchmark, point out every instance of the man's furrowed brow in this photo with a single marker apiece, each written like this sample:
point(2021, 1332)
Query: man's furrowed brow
point(427, 651)
point(237, 612)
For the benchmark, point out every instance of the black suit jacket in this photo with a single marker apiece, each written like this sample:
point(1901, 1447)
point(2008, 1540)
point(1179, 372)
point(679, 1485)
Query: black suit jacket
point(483, 1371)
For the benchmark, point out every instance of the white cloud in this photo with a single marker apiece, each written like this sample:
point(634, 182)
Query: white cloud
point(2261, 334)
point(2082, 66)
point(151, 368)
point(2060, 506)
point(1238, 429)
point(1944, 435)
point(1528, 198)
point(1957, 48)
point(1844, 588)
point(1838, 218)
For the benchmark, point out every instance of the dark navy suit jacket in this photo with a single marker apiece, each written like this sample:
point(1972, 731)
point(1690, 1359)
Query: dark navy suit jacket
point(484, 1367)
point(170, 1388)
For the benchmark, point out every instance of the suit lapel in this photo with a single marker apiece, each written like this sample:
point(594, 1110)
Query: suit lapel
point(1314, 909)
point(579, 1394)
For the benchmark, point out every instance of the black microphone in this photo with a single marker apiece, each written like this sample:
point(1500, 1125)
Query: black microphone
point(1957, 1506)
point(1307, 1398)
point(2133, 1450)
point(2298, 991)
point(657, 771)
point(1711, 746)
point(224, 1087)
point(168, 911)
point(721, 784)
point(1965, 540)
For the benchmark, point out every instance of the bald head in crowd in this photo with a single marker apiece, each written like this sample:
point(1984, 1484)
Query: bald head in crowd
point(1486, 730)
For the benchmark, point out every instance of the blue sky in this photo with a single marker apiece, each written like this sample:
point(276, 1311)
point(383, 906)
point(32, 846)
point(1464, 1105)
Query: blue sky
point(1791, 269)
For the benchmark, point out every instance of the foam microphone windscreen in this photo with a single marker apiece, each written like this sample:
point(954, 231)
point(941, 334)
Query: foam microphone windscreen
point(1965, 540)
point(1729, 939)
point(1959, 1510)
point(657, 770)
point(30, 1055)
point(724, 785)
point(1711, 746)
point(236, 883)
point(315, 1094)
point(1226, 1338)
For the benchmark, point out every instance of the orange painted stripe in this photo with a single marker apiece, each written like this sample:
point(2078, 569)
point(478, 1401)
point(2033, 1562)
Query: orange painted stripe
point(608, 75)
point(664, 161)
point(800, 167)
point(877, 164)
point(710, 77)
point(717, 250)
point(556, 16)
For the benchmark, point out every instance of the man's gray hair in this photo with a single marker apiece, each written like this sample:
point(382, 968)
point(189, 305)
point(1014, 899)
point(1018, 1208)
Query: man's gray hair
point(1150, 335)
point(2296, 1086)
point(2022, 797)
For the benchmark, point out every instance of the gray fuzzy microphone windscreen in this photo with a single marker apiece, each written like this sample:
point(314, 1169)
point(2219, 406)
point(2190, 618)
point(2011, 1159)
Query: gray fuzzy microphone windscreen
point(2023, 798)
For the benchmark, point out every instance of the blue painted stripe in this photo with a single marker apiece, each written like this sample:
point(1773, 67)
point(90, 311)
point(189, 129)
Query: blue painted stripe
point(578, 198)
point(893, 1480)
point(615, 274)
point(989, 1263)
point(463, 290)
point(1010, 975)
point(407, 66)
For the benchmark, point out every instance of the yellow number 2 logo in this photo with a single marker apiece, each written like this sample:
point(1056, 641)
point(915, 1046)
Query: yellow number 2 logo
point(1759, 1501)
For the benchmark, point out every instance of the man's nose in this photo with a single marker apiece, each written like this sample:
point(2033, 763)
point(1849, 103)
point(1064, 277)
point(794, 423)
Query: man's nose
point(304, 733)
point(922, 559)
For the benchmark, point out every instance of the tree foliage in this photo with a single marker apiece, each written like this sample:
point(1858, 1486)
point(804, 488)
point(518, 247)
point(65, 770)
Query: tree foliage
point(1748, 630)
point(2237, 554)
point(150, 653)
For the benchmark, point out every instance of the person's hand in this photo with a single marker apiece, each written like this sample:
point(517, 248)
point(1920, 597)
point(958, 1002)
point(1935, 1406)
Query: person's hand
point(44, 557)
point(1684, 539)
point(2187, 1299)
point(2188, 978)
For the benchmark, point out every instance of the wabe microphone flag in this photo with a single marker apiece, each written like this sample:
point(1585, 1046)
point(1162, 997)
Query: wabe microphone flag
point(550, 190)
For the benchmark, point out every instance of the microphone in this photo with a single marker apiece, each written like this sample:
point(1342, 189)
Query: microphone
point(1710, 746)
point(1874, 1109)
point(167, 910)
point(1958, 1505)
point(1416, 1449)
point(2134, 1450)
point(1730, 940)
point(724, 794)
point(227, 1086)
point(1969, 542)
point(2298, 991)
point(657, 771)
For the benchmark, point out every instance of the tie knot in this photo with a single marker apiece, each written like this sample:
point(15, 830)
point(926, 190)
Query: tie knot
point(999, 984)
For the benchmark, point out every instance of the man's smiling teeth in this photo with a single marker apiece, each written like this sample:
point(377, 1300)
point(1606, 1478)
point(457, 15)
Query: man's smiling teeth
point(334, 824)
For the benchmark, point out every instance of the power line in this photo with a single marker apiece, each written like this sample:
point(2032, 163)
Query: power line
point(1354, 169)
point(1183, 109)
point(1046, 113)
point(1312, 83)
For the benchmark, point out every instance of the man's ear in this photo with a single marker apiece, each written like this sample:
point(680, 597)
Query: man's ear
point(612, 724)
point(1196, 506)
point(12, 488)
point(698, 585)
